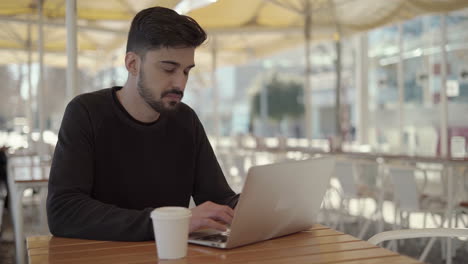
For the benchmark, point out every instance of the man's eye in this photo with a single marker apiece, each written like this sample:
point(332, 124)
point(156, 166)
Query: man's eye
point(169, 70)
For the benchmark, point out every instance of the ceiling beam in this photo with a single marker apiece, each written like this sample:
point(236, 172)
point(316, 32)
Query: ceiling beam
point(62, 24)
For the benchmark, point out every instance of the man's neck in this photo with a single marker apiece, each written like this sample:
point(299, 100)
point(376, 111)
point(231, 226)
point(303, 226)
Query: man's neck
point(135, 105)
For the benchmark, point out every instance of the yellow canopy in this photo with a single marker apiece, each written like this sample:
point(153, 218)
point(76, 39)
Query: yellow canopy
point(350, 15)
point(244, 29)
point(259, 27)
point(92, 10)
point(102, 27)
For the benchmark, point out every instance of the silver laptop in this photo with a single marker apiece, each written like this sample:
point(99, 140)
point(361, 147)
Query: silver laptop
point(277, 200)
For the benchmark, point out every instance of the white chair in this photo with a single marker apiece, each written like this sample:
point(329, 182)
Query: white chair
point(234, 165)
point(347, 173)
point(461, 208)
point(461, 211)
point(407, 197)
point(433, 233)
point(408, 200)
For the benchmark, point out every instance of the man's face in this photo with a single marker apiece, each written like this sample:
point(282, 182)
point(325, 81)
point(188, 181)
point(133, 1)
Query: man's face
point(163, 75)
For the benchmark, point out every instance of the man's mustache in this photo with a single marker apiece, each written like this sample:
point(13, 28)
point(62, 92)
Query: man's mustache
point(173, 91)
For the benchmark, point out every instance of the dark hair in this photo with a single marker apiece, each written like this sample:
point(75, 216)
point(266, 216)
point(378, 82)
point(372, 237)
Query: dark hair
point(157, 27)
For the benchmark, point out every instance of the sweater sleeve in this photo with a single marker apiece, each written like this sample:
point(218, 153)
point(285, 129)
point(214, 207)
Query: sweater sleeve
point(71, 210)
point(210, 182)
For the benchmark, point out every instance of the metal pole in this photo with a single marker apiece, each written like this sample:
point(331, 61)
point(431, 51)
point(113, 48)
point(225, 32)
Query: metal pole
point(71, 50)
point(450, 203)
point(401, 89)
point(338, 115)
point(362, 95)
point(214, 84)
point(425, 79)
point(427, 97)
point(443, 91)
point(264, 106)
point(444, 128)
point(40, 90)
point(308, 71)
point(30, 112)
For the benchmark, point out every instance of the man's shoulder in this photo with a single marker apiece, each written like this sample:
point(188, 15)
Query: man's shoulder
point(184, 109)
point(185, 113)
point(90, 108)
point(96, 104)
point(99, 101)
point(185, 117)
point(96, 98)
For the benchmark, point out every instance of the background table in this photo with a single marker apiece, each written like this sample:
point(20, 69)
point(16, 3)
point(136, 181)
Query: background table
point(319, 244)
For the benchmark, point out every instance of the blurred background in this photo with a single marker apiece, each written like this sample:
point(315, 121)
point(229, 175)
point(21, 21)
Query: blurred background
point(373, 82)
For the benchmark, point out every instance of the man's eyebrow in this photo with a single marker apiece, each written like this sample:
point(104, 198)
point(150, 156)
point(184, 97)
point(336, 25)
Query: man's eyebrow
point(176, 63)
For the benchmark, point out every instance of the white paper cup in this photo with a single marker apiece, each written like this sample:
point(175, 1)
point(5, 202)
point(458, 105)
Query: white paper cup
point(171, 229)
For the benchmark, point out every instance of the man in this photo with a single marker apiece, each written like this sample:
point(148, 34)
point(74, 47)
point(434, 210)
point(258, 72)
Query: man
point(126, 150)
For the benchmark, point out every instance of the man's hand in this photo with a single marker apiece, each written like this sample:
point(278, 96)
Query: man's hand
point(211, 215)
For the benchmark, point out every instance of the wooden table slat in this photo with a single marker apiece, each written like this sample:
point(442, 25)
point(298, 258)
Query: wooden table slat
point(198, 254)
point(385, 260)
point(317, 245)
point(332, 257)
point(43, 241)
point(381, 260)
point(51, 241)
point(58, 244)
point(300, 239)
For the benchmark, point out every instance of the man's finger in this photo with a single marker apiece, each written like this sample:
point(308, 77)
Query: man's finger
point(223, 217)
point(223, 208)
point(229, 210)
point(210, 223)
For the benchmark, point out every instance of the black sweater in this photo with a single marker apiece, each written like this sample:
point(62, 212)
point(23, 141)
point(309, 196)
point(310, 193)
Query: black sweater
point(110, 171)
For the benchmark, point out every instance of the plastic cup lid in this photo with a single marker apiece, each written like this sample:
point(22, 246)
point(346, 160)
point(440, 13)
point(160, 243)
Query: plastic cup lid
point(171, 212)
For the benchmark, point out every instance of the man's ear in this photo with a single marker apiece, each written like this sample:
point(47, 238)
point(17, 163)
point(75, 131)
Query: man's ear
point(132, 63)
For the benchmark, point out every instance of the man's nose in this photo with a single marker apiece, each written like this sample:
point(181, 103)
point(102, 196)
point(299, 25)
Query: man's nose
point(179, 81)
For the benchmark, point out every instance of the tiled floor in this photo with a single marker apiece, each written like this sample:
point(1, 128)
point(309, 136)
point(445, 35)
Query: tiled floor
point(7, 244)
point(31, 225)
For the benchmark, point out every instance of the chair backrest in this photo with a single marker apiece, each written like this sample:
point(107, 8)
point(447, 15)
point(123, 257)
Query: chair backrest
point(239, 163)
point(367, 172)
point(418, 233)
point(406, 191)
point(345, 172)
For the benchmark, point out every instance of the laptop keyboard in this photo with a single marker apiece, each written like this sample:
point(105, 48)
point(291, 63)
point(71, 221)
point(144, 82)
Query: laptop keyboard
point(222, 238)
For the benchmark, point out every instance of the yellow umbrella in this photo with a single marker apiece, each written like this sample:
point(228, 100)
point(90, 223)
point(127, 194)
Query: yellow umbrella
point(253, 28)
point(90, 10)
point(15, 43)
point(318, 19)
point(351, 15)
point(243, 28)
point(102, 27)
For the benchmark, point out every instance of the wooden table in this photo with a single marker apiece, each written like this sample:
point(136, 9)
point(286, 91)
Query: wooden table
point(319, 244)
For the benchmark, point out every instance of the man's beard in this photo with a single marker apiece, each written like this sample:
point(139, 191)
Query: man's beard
point(157, 105)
